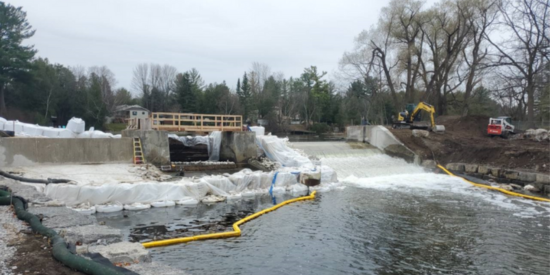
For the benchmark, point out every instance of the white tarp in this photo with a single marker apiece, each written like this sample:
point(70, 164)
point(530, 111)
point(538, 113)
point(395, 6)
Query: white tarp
point(276, 149)
point(241, 183)
point(75, 128)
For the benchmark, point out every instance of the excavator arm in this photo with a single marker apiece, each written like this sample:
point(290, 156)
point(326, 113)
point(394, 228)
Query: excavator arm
point(423, 106)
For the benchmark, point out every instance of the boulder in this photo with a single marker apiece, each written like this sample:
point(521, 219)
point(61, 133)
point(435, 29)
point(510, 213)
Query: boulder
point(470, 168)
point(527, 177)
point(420, 133)
point(510, 174)
point(531, 188)
point(459, 167)
point(123, 252)
point(542, 178)
point(482, 169)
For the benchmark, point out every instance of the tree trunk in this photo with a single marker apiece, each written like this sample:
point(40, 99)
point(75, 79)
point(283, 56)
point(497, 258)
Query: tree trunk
point(530, 104)
point(3, 110)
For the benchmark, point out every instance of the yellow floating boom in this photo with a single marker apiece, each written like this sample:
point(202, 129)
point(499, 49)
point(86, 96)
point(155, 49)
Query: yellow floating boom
point(495, 188)
point(236, 230)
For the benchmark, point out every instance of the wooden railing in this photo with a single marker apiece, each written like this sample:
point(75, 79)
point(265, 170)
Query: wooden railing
point(195, 122)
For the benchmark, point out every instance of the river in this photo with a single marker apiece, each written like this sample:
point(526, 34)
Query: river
point(389, 217)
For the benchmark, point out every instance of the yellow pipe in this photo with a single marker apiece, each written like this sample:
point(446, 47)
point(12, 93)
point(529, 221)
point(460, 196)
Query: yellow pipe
point(236, 230)
point(495, 188)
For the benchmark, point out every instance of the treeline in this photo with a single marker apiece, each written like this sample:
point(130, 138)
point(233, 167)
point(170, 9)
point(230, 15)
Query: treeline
point(447, 55)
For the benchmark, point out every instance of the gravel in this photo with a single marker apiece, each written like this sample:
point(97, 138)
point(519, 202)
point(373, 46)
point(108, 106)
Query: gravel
point(10, 226)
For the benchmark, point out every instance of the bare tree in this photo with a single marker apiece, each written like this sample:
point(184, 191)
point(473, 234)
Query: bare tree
point(480, 14)
point(525, 51)
point(446, 35)
point(139, 80)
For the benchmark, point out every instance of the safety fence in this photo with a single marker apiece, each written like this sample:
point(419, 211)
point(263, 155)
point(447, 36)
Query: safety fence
point(195, 122)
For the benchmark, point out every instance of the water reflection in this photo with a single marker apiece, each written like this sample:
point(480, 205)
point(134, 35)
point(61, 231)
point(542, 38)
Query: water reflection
point(362, 231)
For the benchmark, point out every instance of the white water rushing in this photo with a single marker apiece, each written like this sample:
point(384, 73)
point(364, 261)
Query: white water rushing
point(371, 169)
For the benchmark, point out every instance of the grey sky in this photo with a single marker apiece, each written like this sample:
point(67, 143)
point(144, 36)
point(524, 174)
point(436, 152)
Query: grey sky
point(219, 38)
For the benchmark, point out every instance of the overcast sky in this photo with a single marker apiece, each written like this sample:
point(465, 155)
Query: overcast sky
point(219, 38)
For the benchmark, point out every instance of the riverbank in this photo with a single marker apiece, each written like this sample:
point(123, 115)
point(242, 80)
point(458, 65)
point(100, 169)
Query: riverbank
point(23, 252)
point(465, 147)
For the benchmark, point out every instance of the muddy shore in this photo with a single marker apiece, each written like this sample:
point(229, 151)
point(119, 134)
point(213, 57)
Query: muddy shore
point(466, 141)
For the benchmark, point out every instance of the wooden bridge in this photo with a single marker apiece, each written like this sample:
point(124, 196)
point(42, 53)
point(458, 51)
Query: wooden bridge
point(184, 122)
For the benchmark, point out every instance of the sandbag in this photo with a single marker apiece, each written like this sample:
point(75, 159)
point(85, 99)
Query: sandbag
point(76, 125)
point(136, 206)
point(259, 130)
point(163, 204)
point(65, 133)
point(109, 208)
point(187, 201)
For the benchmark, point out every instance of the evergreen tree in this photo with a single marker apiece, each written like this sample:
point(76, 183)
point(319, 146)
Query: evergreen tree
point(14, 57)
point(244, 96)
point(185, 95)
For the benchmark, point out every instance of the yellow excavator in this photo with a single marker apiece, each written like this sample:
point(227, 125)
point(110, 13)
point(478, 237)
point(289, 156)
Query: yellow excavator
point(411, 116)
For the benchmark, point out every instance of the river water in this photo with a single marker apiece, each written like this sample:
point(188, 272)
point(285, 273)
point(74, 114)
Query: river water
point(389, 217)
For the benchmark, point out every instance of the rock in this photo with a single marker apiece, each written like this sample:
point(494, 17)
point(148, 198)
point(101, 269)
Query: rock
point(458, 167)
point(516, 186)
point(531, 188)
point(495, 172)
point(81, 249)
point(429, 164)
point(505, 187)
point(482, 169)
point(88, 234)
point(420, 133)
point(470, 168)
point(123, 252)
point(527, 177)
point(542, 177)
point(510, 174)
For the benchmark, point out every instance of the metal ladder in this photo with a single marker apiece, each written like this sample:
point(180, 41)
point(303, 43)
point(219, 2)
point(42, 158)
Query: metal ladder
point(138, 152)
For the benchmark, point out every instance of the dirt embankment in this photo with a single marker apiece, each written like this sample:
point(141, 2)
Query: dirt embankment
point(465, 140)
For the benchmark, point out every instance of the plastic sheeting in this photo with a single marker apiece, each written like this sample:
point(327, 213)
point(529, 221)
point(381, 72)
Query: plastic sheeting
point(243, 183)
point(213, 142)
point(190, 141)
point(75, 128)
point(215, 145)
point(276, 149)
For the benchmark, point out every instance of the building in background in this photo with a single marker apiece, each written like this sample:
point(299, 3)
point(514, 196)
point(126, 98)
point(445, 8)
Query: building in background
point(125, 112)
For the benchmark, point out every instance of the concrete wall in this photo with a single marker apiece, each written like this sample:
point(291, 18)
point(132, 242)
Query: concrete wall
point(238, 146)
point(382, 138)
point(33, 151)
point(156, 147)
